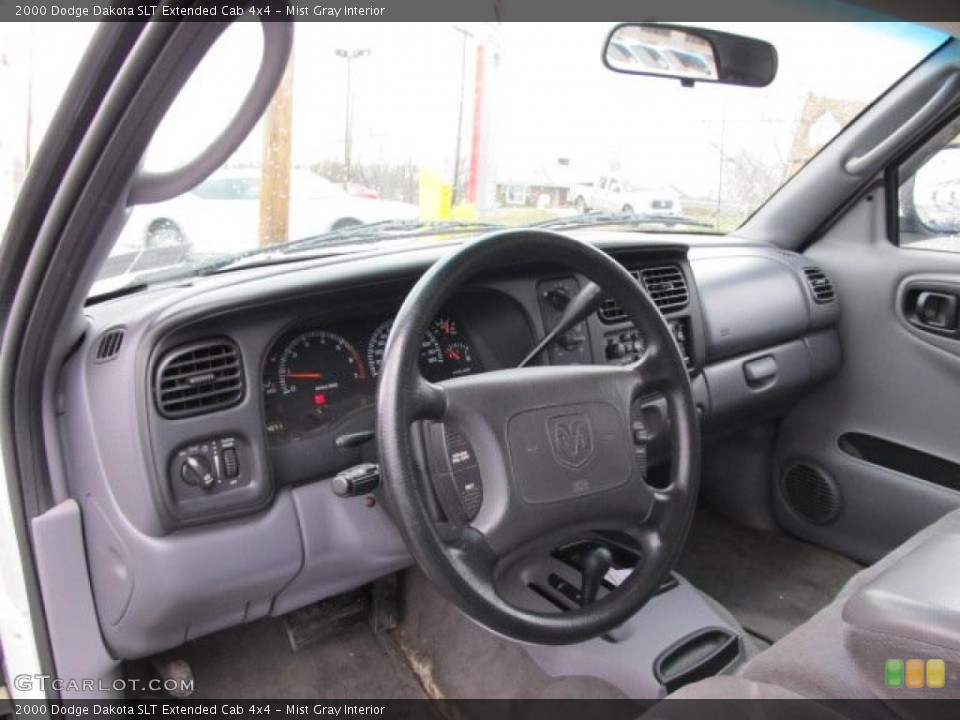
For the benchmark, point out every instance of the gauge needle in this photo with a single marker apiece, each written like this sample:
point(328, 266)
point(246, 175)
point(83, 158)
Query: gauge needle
point(303, 376)
point(453, 354)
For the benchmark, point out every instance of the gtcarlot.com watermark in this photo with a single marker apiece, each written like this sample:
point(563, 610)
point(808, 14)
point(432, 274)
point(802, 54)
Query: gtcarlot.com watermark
point(42, 683)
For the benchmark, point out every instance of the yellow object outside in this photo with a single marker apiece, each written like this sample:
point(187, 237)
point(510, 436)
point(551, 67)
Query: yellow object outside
point(464, 211)
point(435, 196)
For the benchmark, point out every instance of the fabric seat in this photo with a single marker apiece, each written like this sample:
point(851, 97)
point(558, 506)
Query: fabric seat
point(836, 656)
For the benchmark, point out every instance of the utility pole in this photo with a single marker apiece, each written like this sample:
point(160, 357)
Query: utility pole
point(275, 167)
point(463, 79)
point(349, 56)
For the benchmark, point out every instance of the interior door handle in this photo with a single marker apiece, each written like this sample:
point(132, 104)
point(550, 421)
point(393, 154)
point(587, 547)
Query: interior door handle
point(937, 310)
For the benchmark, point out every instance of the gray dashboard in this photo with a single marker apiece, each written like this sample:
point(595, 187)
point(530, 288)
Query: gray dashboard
point(177, 550)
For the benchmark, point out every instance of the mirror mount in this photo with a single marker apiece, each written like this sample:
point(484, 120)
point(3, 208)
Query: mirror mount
point(690, 55)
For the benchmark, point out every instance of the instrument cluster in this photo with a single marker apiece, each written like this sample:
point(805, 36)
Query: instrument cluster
point(316, 378)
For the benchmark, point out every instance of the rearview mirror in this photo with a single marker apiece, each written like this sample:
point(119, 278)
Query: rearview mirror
point(690, 55)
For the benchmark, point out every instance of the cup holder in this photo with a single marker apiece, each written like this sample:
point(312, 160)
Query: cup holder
point(703, 654)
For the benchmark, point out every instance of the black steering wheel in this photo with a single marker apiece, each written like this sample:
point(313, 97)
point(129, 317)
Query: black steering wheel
point(552, 450)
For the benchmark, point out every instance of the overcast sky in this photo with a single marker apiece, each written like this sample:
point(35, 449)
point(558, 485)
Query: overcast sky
point(547, 96)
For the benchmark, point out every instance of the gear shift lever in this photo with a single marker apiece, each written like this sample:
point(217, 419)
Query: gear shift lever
point(596, 563)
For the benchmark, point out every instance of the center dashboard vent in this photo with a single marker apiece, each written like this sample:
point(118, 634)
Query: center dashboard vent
point(820, 285)
point(199, 378)
point(666, 286)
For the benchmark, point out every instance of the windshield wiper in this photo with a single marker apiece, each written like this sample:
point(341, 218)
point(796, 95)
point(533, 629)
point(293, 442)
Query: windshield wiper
point(386, 230)
point(354, 235)
point(598, 219)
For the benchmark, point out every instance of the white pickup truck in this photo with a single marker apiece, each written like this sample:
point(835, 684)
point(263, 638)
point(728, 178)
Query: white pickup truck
point(614, 193)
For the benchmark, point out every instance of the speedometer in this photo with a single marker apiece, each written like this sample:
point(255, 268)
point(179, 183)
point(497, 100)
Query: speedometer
point(311, 381)
point(431, 355)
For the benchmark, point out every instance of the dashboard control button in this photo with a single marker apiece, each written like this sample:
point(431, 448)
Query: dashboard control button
point(559, 297)
point(196, 471)
point(615, 350)
point(231, 464)
point(570, 341)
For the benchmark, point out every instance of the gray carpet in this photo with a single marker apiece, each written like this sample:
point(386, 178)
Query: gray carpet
point(771, 583)
point(255, 662)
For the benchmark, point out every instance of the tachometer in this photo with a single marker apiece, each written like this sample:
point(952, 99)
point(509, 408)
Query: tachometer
point(431, 355)
point(314, 379)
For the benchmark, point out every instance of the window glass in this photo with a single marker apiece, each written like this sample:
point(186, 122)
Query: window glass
point(929, 198)
point(37, 61)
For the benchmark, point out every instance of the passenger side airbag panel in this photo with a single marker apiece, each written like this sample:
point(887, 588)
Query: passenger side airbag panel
point(748, 303)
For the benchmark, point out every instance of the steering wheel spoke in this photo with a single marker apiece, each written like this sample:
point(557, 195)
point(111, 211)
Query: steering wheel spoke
point(654, 369)
point(429, 400)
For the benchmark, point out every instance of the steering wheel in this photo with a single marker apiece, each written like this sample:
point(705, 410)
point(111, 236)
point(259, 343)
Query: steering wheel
point(552, 449)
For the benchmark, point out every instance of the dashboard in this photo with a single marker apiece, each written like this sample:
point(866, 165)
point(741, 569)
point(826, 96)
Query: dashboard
point(200, 422)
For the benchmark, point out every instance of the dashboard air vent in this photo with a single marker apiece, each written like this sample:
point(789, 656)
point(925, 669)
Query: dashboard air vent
point(199, 378)
point(666, 285)
point(109, 345)
point(820, 284)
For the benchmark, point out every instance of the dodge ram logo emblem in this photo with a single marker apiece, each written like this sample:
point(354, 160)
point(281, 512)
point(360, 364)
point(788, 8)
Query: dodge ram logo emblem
point(571, 438)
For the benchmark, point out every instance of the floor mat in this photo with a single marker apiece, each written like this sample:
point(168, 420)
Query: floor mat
point(771, 583)
point(255, 662)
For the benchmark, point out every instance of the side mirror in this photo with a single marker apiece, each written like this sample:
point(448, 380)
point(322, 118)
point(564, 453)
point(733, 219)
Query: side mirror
point(690, 55)
point(936, 192)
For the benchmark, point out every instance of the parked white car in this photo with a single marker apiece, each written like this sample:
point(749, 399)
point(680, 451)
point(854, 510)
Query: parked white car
point(223, 213)
point(612, 193)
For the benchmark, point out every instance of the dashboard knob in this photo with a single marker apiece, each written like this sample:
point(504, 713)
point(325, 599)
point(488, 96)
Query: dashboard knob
point(559, 297)
point(570, 342)
point(615, 350)
point(195, 470)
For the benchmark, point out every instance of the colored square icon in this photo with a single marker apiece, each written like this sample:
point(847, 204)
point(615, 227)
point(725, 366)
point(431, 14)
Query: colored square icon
point(894, 673)
point(936, 673)
point(914, 673)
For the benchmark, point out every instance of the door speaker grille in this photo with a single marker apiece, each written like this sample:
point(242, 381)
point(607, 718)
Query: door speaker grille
point(811, 494)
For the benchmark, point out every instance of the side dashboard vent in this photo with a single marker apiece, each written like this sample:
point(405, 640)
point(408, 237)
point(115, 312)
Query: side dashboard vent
point(787, 254)
point(811, 494)
point(109, 346)
point(199, 378)
point(820, 285)
point(666, 286)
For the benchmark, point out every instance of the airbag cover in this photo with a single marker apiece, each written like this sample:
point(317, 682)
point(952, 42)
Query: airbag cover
point(562, 451)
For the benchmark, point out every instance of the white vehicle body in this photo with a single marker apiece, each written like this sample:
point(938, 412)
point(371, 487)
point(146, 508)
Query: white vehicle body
point(614, 193)
point(20, 655)
point(225, 209)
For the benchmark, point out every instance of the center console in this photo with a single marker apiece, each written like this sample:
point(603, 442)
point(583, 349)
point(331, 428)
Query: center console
point(679, 637)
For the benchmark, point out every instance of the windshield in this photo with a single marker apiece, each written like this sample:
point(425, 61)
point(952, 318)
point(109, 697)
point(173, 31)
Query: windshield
point(385, 126)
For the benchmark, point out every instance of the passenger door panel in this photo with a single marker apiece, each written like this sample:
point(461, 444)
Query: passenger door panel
point(883, 433)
